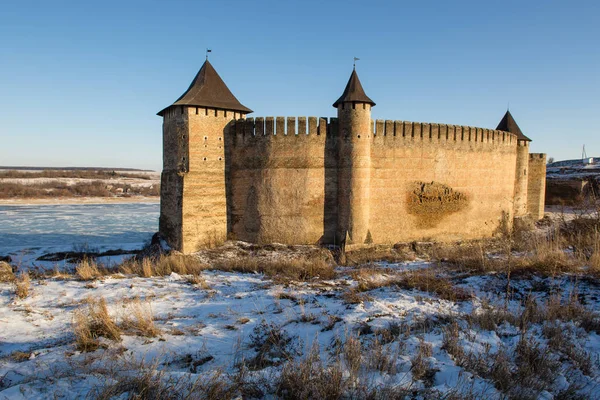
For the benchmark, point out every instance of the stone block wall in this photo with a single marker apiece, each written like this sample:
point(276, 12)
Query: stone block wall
point(536, 185)
point(280, 180)
point(433, 181)
point(193, 195)
point(442, 182)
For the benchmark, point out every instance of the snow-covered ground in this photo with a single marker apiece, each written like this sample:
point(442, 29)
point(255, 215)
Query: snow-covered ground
point(215, 325)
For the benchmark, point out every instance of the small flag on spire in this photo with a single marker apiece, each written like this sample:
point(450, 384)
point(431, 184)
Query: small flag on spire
point(355, 60)
point(208, 51)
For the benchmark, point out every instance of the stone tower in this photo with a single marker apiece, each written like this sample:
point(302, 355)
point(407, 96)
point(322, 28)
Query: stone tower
point(354, 166)
point(193, 207)
point(508, 124)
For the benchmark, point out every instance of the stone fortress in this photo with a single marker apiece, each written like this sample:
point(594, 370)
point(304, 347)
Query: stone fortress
point(343, 181)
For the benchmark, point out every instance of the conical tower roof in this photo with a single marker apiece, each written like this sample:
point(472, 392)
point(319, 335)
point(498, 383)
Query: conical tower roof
point(354, 92)
point(209, 90)
point(508, 124)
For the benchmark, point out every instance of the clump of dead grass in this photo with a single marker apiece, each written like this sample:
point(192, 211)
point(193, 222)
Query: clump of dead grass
point(536, 367)
point(199, 280)
point(371, 255)
point(427, 280)
point(467, 256)
point(149, 382)
point(20, 356)
point(138, 319)
point(354, 296)
point(163, 265)
point(88, 270)
point(301, 269)
point(22, 285)
point(451, 341)
point(272, 344)
point(430, 280)
point(93, 321)
point(561, 339)
point(420, 366)
point(311, 378)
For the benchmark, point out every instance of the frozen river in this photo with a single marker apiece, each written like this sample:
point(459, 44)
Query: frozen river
point(27, 231)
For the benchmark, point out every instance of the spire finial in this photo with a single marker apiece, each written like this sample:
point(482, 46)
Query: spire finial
point(354, 64)
point(208, 51)
point(508, 106)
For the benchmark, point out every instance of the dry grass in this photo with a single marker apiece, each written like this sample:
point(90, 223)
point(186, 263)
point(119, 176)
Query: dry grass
point(163, 265)
point(420, 368)
point(198, 279)
point(148, 382)
point(93, 321)
point(88, 270)
point(354, 296)
point(301, 269)
point(213, 239)
point(370, 255)
point(561, 339)
point(272, 344)
point(536, 367)
point(352, 355)
point(138, 319)
point(22, 285)
point(20, 356)
point(489, 318)
point(283, 269)
point(468, 256)
point(310, 378)
point(430, 280)
point(451, 341)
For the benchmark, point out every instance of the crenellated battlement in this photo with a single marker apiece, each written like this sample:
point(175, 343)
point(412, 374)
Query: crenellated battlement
point(282, 127)
point(189, 111)
point(387, 129)
point(537, 156)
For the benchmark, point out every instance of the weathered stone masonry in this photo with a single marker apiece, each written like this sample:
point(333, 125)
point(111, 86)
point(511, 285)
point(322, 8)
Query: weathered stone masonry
point(345, 180)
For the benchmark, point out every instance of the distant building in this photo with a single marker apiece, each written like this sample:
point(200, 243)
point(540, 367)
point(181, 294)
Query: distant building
point(346, 180)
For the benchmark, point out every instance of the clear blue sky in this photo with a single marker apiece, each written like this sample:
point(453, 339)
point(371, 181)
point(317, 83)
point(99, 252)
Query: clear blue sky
point(81, 81)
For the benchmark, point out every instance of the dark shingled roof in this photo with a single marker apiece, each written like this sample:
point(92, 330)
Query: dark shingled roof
point(508, 124)
point(354, 92)
point(209, 90)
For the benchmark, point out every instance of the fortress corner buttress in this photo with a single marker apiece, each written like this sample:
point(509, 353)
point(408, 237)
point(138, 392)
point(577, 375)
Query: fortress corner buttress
point(193, 207)
point(355, 130)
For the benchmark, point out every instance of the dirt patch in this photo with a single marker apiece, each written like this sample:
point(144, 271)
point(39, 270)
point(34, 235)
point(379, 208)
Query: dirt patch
point(430, 202)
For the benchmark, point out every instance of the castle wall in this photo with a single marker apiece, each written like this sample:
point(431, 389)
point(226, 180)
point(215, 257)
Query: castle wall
point(536, 185)
point(521, 178)
point(280, 179)
point(441, 182)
